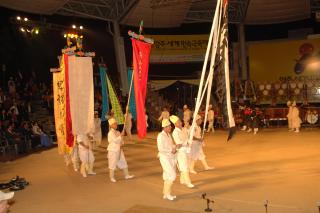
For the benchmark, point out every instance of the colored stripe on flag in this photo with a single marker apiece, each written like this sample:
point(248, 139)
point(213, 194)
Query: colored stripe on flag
point(116, 107)
point(105, 100)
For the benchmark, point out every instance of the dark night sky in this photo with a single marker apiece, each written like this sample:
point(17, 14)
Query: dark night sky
point(20, 52)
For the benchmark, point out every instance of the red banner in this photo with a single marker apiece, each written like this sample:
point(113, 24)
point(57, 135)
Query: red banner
point(69, 135)
point(141, 55)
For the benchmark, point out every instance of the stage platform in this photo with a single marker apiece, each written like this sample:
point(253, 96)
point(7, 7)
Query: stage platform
point(276, 165)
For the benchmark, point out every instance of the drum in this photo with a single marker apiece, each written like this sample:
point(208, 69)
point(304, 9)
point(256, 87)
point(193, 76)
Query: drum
point(268, 86)
point(312, 118)
point(284, 86)
point(293, 85)
point(309, 84)
point(265, 92)
point(261, 87)
point(297, 91)
point(300, 85)
point(277, 86)
point(281, 92)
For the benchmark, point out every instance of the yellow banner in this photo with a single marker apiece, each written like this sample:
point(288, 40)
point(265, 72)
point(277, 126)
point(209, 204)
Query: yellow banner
point(178, 48)
point(276, 60)
point(59, 94)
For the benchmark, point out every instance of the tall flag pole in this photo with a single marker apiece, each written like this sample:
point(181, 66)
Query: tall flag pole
point(217, 50)
point(141, 54)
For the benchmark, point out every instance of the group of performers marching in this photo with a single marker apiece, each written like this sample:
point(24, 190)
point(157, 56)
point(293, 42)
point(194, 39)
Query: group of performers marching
point(177, 151)
point(85, 143)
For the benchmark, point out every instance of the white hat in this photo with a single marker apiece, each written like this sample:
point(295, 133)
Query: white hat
point(198, 117)
point(112, 121)
point(185, 106)
point(174, 119)
point(165, 123)
point(294, 103)
point(6, 196)
point(289, 103)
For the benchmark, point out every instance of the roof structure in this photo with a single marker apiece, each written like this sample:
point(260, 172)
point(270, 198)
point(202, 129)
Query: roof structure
point(170, 13)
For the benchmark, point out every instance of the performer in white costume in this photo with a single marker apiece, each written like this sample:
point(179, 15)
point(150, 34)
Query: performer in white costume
point(73, 157)
point(180, 138)
point(289, 115)
point(210, 119)
point(97, 136)
point(166, 156)
point(196, 148)
point(186, 116)
point(164, 114)
point(296, 120)
point(86, 154)
point(116, 156)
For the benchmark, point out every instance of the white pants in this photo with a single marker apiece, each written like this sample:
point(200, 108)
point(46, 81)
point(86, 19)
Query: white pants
point(128, 130)
point(168, 166)
point(117, 159)
point(210, 126)
point(86, 155)
point(196, 151)
point(183, 164)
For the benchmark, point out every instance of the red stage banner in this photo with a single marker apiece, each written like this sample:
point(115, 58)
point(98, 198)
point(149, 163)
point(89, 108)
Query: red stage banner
point(141, 56)
point(69, 135)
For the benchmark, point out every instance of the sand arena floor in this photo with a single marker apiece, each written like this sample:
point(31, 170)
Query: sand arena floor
point(275, 165)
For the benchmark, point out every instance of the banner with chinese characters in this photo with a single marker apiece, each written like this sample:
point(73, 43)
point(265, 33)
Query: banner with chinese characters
point(141, 56)
point(178, 48)
point(62, 108)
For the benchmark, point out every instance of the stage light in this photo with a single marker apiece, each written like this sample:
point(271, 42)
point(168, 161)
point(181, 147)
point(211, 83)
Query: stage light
point(74, 26)
point(81, 27)
point(71, 36)
point(81, 36)
point(65, 35)
point(18, 18)
point(36, 31)
point(28, 31)
point(22, 29)
point(25, 19)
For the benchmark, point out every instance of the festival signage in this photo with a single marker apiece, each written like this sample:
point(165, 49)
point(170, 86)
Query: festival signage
point(178, 48)
point(284, 60)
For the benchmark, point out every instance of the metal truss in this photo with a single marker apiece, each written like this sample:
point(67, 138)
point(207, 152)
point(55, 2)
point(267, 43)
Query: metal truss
point(315, 5)
point(107, 10)
point(237, 11)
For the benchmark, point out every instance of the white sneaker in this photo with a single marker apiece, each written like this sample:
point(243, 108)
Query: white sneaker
point(249, 130)
point(297, 131)
point(84, 175)
point(169, 197)
point(129, 177)
point(92, 173)
point(113, 180)
point(193, 172)
point(190, 185)
point(208, 168)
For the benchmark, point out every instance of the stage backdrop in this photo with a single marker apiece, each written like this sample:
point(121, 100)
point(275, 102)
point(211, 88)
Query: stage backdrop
point(275, 60)
point(81, 94)
point(178, 48)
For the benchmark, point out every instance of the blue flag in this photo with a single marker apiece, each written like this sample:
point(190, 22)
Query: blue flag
point(105, 101)
point(132, 105)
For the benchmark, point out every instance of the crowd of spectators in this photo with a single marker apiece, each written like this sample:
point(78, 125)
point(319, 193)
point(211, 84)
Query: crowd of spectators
point(18, 133)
